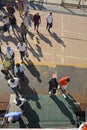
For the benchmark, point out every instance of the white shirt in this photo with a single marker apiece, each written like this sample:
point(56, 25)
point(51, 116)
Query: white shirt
point(14, 84)
point(49, 18)
point(16, 68)
point(9, 53)
point(22, 47)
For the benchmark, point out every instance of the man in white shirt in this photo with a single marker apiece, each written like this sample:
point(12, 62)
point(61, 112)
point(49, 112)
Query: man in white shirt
point(22, 48)
point(14, 84)
point(49, 19)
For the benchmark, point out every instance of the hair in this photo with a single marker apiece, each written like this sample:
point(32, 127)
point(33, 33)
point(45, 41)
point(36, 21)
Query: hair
point(18, 64)
point(21, 40)
point(68, 79)
point(12, 79)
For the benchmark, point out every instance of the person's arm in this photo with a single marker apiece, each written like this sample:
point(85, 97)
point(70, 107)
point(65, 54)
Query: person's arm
point(18, 46)
point(52, 20)
point(40, 20)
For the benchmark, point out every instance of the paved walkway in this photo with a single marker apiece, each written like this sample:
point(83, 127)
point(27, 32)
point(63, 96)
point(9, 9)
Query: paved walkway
point(68, 30)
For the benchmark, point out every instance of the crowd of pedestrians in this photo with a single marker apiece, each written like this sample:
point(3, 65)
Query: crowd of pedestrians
point(22, 28)
point(15, 71)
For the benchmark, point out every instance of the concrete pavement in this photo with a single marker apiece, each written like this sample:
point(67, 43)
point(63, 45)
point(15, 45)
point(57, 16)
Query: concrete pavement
point(68, 30)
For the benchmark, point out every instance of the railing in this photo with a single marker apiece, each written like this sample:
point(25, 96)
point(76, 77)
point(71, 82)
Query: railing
point(77, 3)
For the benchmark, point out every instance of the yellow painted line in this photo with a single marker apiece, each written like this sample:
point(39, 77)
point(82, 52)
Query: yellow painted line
point(54, 64)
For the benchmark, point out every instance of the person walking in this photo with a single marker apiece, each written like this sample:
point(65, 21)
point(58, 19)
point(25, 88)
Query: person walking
point(53, 85)
point(9, 52)
point(49, 19)
point(26, 5)
point(10, 9)
point(37, 21)
point(13, 22)
point(19, 71)
point(26, 20)
point(22, 49)
point(11, 117)
point(14, 84)
point(23, 31)
point(7, 66)
point(6, 26)
point(63, 83)
point(20, 7)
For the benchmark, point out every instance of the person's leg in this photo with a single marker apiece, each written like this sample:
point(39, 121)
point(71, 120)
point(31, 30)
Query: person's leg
point(34, 25)
point(21, 54)
point(16, 91)
point(47, 25)
point(8, 28)
point(23, 37)
point(37, 26)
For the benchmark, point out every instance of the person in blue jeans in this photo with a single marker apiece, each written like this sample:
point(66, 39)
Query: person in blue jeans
point(11, 117)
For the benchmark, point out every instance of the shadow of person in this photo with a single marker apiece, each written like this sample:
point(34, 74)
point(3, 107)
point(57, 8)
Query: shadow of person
point(45, 39)
point(35, 54)
point(31, 34)
point(29, 93)
point(72, 102)
point(9, 39)
point(22, 124)
point(64, 109)
point(38, 48)
point(31, 115)
point(31, 67)
point(60, 41)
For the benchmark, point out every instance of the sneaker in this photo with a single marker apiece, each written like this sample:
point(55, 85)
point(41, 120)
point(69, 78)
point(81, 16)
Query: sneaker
point(58, 87)
point(64, 95)
point(49, 92)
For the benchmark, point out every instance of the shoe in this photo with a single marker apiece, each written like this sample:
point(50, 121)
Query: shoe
point(49, 92)
point(64, 95)
point(58, 87)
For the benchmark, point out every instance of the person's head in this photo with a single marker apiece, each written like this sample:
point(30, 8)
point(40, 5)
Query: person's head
point(26, 13)
point(68, 79)
point(21, 42)
point(8, 48)
point(37, 14)
point(50, 13)
point(7, 5)
point(17, 64)
point(10, 119)
point(22, 23)
point(12, 80)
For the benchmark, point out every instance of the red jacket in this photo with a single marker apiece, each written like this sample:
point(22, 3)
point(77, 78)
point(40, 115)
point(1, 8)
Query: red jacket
point(63, 81)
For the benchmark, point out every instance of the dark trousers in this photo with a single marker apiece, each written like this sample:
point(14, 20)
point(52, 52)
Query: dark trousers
point(49, 25)
point(52, 89)
point(22, 54)
point(23, 36)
